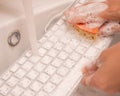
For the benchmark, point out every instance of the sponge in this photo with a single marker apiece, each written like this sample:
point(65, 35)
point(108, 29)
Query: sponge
point(90, 33)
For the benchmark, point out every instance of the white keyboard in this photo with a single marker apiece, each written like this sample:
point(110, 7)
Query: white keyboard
point(55, 71)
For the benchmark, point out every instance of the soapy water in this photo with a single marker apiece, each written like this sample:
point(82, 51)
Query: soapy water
point(30, 24)
point(82, 90)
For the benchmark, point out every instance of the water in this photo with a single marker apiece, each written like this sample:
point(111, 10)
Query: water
point(30, 24)
point(82, 90)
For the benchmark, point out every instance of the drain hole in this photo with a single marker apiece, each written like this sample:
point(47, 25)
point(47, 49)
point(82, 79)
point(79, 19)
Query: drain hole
point(14, 39)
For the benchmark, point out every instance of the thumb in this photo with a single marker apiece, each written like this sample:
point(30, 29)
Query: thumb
point(86, 80)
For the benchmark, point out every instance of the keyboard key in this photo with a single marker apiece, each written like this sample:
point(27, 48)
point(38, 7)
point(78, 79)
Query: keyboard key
point(59, 33)
point(43, 40)
point(49, 33)
point(63, 71)
point(63, 27)
point(39, 67)
point(27, 66)
point(59, 46)
point(34, 59)
point(28, 53)
point(42, 93)
point(20, 73)
point(68, 49)
point(49, 87)
point(32, 74)
point(85, 43)
point(69, 63)
point(17, 91)
point(50, 70)
point(25, 82)
point(73, 43)
point(42, 51)
point(92, 52)
point(28, 93)
point(22, 60)
point(56, 79)
point(69, 35)
point(47, 45)
point(60, 22)
point(53, 53)
point(4, 90)
point(84, 61)
point(55, 27)
point(54, 39)
point(57, 62)
point(81, 49)
point(46, 60)
point(6, 75)
point(36, 86)
point(100, 44)
point(12, 81)
point(63, 55)
point(15, 67)
point(43, 77)
point(75, 56)
point(64, 40)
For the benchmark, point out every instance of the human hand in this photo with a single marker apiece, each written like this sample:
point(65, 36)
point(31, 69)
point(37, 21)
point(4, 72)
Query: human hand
point(85, 13)
point(106, 77)
point(113, 10)
point(110, 28)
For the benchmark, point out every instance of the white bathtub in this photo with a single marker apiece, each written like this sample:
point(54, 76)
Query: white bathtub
point(12, 18)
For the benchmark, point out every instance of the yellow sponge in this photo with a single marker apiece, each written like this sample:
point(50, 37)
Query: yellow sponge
point(87, 32)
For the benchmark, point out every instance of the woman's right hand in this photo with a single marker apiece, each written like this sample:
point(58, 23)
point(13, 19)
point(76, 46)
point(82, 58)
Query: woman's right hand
point(96, 14)
point(113, 10)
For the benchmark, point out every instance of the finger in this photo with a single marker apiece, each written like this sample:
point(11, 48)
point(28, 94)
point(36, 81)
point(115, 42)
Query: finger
point(94, 66)
point(113, 2)
point(110, 28)
point(86, 80)
point(111, 13)
point(110, 16)
point(90, 68)
point(86, 68)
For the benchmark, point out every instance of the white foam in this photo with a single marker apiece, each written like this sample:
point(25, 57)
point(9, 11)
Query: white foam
point(93, 8)
point(110, 28)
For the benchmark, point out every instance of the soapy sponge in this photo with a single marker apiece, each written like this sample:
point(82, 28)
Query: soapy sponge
point(90, 33)
point(85, 20)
